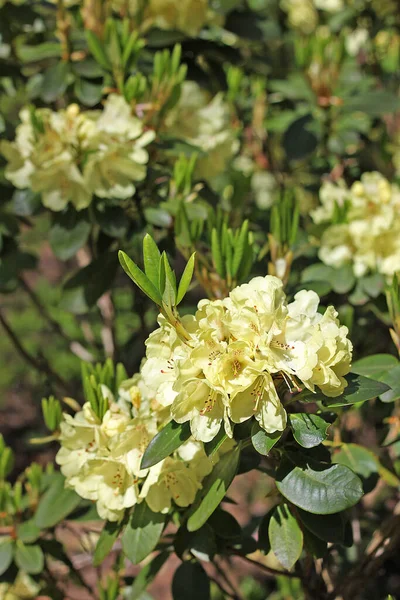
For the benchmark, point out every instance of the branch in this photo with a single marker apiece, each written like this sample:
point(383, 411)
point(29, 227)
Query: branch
point(42, 366)
point(75, 346)
point(269, 571)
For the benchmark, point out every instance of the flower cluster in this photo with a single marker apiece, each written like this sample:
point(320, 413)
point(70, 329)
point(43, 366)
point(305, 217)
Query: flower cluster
point(363, 225)
point(242, 353)
point(205, 123)
point(100, 458)
point(69, 156)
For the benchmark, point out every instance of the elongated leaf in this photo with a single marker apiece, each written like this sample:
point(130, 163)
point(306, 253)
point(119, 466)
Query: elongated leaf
point(308, 430)
point(214, 489)
point(146, 576)
point(165, 442)
point(185, 279)
point(359, 389)
point(6, 554)
point(108, 537)
point(262, 441)
point(97, 49)
point(151, 258)
point(217, 254)
point(139, 278)
point(190, 581)
point(29, 558)
point(322, 492)
point(56, 504)
point(240, 247)
point(142, 533)
point(215, 444)
point(285, 536)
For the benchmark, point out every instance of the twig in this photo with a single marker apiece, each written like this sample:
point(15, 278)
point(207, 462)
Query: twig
point(39, 365)
point(267, 570)
point(235, 594)
point(222, 589)
point(75, 346)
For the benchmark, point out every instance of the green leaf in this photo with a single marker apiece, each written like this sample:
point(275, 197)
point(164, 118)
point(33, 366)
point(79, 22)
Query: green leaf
point(165, 442)
point(28, 531)
point(240, 248)
point(87, 92)
point(285, 536)
point(158, 216)
point(185, 279)
point(37, 52)
point(169, 295)
point(215, 444)
point(190, 581)
point(29, 558)
point(6, 553)
point(142, 533)
point(308, 430)
point(56, 504)
point(105, 543)
point(215, 486)
point(374, 103)
point(392, 379)
point(358, 459)
point(314, 545)
point(374, 366)
point(146, 576)
point(262, 441)
point(217, 254)
point(151, 259)
point(359, 389)
point(55, 82)
point(97, 49)
point(325, 491)
point(68, 234)
point(329, 528)
point(139, 278)
point(224, 524)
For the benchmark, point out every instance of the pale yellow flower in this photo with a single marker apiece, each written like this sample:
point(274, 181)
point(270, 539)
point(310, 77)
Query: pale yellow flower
point(363, 225)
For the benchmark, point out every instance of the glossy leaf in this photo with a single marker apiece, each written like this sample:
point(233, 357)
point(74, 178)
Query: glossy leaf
point(142, 533)
point(359, 389)
point(190, 581)
point(285, 536)
point(106, 541)
point(139, 278)
point(308, 430)
point(215, 486)
point(323, 490)
point(151, 259)
point(185, 279)
point(165, 442)
point(262, 441)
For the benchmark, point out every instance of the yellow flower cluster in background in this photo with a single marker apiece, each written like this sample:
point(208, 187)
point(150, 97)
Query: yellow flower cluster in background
point(69, 155)
point(363, 225)
point(206, 123)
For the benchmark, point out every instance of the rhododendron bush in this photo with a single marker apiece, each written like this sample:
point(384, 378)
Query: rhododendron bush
point(200, 299)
